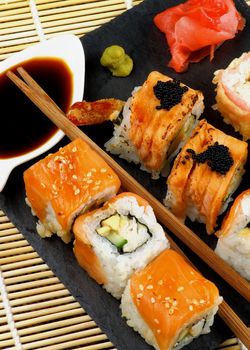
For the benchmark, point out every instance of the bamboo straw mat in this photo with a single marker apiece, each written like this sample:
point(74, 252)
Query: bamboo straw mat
point(36, 310)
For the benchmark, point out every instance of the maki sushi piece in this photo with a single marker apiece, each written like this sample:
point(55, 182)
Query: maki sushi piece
point(156, 121)
point(65, 184)
point(205, 174)
point(169, 303)
point(232, 94)
point(233, 244)
point(113, 241)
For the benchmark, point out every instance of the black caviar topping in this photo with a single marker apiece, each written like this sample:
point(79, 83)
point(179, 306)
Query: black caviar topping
point(169, 93)
point(217, 156)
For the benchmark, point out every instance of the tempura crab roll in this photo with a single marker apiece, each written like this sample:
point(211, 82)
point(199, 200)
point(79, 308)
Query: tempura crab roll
point(169, 303)
point(65, 184)
point(232, 94)
point(233, 244)
point(156, 121)
point(205, 173)
point(117, 239)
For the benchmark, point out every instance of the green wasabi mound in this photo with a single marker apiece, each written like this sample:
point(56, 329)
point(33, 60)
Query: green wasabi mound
point(117, 61)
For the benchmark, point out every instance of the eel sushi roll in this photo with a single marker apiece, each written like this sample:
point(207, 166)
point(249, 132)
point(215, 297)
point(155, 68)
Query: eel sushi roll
point(156, 121)
point(113, 241)
point(65, 184)
point(169, 303)
point(205, 174)
point(233, 92)
point(233, 244)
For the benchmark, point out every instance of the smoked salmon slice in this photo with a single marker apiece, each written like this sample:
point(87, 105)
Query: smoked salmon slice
point(169, 303)
point(67, 183)
point(206, 172)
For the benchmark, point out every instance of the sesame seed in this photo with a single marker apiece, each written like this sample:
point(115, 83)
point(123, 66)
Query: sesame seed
point(89, 174)
point(160, 282)
point(202, 301)
point(167, 298)
point(96, 188)
point(103, 170)
point(191, 307)
point(139, 295)
point(158, 331)
point(77, 191)
point(74, 149)
point(49, 165)
point(93, 170)
point(179, 289)
point(195, 302)
point(175, 302)
point(167, 305)
point(152, 300)
point(74, 177)
point(54, 187)
point(149, 277)
point(42, 184)
point(171, 311)
point(156, 320)
point(71, 166)
point(150, 286)
point(141, 287)
point(97, 182)
point(89, 181)
point(56, 158)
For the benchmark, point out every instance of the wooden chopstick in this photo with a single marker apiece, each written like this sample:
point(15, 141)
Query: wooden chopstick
point(54, 113)
point(36, 94)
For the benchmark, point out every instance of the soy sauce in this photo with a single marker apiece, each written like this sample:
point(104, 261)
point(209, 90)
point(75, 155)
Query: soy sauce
point(23, 127)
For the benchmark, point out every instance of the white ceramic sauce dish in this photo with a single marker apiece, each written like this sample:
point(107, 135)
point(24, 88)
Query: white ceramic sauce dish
point(67, 48)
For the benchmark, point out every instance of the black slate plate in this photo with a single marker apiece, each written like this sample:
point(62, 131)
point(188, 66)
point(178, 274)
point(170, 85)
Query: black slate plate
point(135, 31)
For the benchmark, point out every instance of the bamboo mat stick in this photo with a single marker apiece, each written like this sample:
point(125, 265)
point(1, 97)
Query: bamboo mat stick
point(43, 304)
point(53, 112)
point(14, 258)
point(85, 319)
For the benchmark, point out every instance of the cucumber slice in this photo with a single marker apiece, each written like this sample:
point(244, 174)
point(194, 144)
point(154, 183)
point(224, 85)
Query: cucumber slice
point(116, 239)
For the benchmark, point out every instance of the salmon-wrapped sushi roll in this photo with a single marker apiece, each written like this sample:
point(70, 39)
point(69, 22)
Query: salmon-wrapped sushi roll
point(156, 121)
point(233, 91)
point(169, 303)
point(234, 236)
point(205, 173)
point(67, 183)
point(113, 241)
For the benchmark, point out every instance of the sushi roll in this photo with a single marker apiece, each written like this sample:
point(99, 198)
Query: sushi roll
point(169, 303)
point(65, 184)
point(234, 236)
point(156, 121)
point(205, 173)
point(113, 241)
point(232, 94)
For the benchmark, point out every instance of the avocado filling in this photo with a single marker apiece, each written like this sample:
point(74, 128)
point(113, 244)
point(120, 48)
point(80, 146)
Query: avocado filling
point(125, 232)
point(191, 332)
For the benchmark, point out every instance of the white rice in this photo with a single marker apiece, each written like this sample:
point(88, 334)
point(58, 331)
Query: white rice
point(200, 325)
point(118, 267)
point(234, 247)
point(120, 143)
